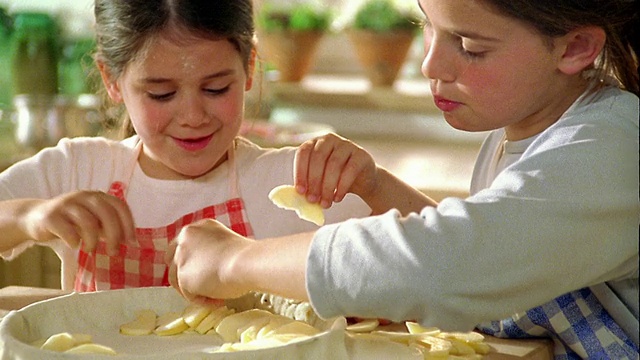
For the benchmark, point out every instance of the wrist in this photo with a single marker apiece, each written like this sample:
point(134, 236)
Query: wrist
point(235, 272)
point(29, 223)
point(375, 191)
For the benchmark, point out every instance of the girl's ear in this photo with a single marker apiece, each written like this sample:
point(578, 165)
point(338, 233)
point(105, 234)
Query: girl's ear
point(251, 66)
point(112, 86)
point(580, 47)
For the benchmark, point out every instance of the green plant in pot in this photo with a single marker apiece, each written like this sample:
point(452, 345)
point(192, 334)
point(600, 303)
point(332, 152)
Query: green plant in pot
point(288, 37)
point(382, 33)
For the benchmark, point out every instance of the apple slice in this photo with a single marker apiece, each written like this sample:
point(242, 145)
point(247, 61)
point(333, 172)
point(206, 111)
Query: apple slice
point(366, 325)
point(415, 328)
point(91, 349)
point(59, 342)
point(212, 320)
point(194, 314)
point(295, 327)
point(274, 322)
point(286, 197)
point(229, 326)
point(144, 324)
point(171, 324)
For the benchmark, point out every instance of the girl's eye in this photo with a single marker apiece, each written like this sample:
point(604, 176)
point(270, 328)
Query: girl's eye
point(168, 96)
point(471, 54)
point(161, 97)
point(468, 53)
point(218, 91)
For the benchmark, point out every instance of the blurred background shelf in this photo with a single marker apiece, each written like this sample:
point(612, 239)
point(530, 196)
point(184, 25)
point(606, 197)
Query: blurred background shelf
point(355, 92)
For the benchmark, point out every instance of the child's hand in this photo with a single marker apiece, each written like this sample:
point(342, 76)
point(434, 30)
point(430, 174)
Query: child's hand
point(81, 217)
point(328, 167)
point(197, 260)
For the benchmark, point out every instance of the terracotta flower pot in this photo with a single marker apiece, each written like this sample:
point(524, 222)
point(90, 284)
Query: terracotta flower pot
point(381, 54)
point(291, 52)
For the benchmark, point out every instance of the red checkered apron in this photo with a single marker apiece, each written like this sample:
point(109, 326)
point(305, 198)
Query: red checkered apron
point(141, 264)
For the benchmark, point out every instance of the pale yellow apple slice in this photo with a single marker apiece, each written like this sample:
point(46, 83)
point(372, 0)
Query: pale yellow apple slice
point(264, 343)
point(229, 326)
point(473, 339)
point(274, 322)
point(401, 337)
point(366, 325)
point(286, 197)
point(468, 337)
point(91, 349)
point(59, 342)
point(193, 314)
point(295, 327)
point(212, 320)
point(62, 341)
point(437, 347)
point(415, 328)
point(171, 324)
point(249, 331)
point(144, 324)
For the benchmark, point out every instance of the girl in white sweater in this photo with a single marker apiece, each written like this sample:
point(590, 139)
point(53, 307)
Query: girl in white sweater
point(550, 231)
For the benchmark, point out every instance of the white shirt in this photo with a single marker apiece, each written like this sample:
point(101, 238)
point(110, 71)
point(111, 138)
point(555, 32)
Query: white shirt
point(95, 163)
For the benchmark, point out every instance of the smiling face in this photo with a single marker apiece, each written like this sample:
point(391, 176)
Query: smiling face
point(488, 71)
point(185, 99)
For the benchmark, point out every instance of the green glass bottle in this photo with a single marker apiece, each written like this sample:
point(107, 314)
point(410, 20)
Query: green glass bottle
point(74, 69)
point(5, 59)
point(34, 63)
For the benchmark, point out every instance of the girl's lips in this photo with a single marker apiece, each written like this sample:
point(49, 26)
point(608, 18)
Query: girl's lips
point(194, 144)
point(445, 105)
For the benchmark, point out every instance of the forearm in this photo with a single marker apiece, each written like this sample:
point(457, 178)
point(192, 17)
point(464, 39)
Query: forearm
point(393, 193)
point(12, 213)
point(275, 266)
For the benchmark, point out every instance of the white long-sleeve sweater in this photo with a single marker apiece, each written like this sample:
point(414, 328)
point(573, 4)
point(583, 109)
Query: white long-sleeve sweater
point(564, 216)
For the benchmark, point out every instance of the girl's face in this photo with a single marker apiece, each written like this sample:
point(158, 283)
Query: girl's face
point(488, 71)
point(186, 101)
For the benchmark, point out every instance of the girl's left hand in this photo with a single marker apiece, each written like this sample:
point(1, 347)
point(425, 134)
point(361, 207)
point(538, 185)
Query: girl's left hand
point(330, 166)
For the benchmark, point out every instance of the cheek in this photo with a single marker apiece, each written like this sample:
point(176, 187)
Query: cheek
point(230, 109)
point(479, 83)
point(148, 117)
point(492, 95)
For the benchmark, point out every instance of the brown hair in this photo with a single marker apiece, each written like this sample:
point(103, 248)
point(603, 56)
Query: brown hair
point(618, 18)
point(125, 27)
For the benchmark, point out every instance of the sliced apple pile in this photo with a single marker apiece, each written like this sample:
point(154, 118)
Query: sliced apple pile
point(431, 342)
point(250, 329)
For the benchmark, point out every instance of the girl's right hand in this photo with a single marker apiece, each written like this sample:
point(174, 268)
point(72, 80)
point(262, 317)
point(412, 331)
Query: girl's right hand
point(330, 166)
point(198, 259)
point(81, 217)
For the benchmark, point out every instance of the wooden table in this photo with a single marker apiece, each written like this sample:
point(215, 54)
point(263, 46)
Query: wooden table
point(16, 297)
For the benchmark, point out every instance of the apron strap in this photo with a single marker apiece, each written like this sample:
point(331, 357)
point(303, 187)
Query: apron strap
point(234, 189)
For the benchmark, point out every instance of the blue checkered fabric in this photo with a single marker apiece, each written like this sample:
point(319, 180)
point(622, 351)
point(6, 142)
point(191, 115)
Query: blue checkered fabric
point(576, 322)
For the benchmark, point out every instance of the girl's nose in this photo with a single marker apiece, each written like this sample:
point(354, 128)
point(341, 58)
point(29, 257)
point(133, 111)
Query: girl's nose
point(194, 112)
point(437, 65)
